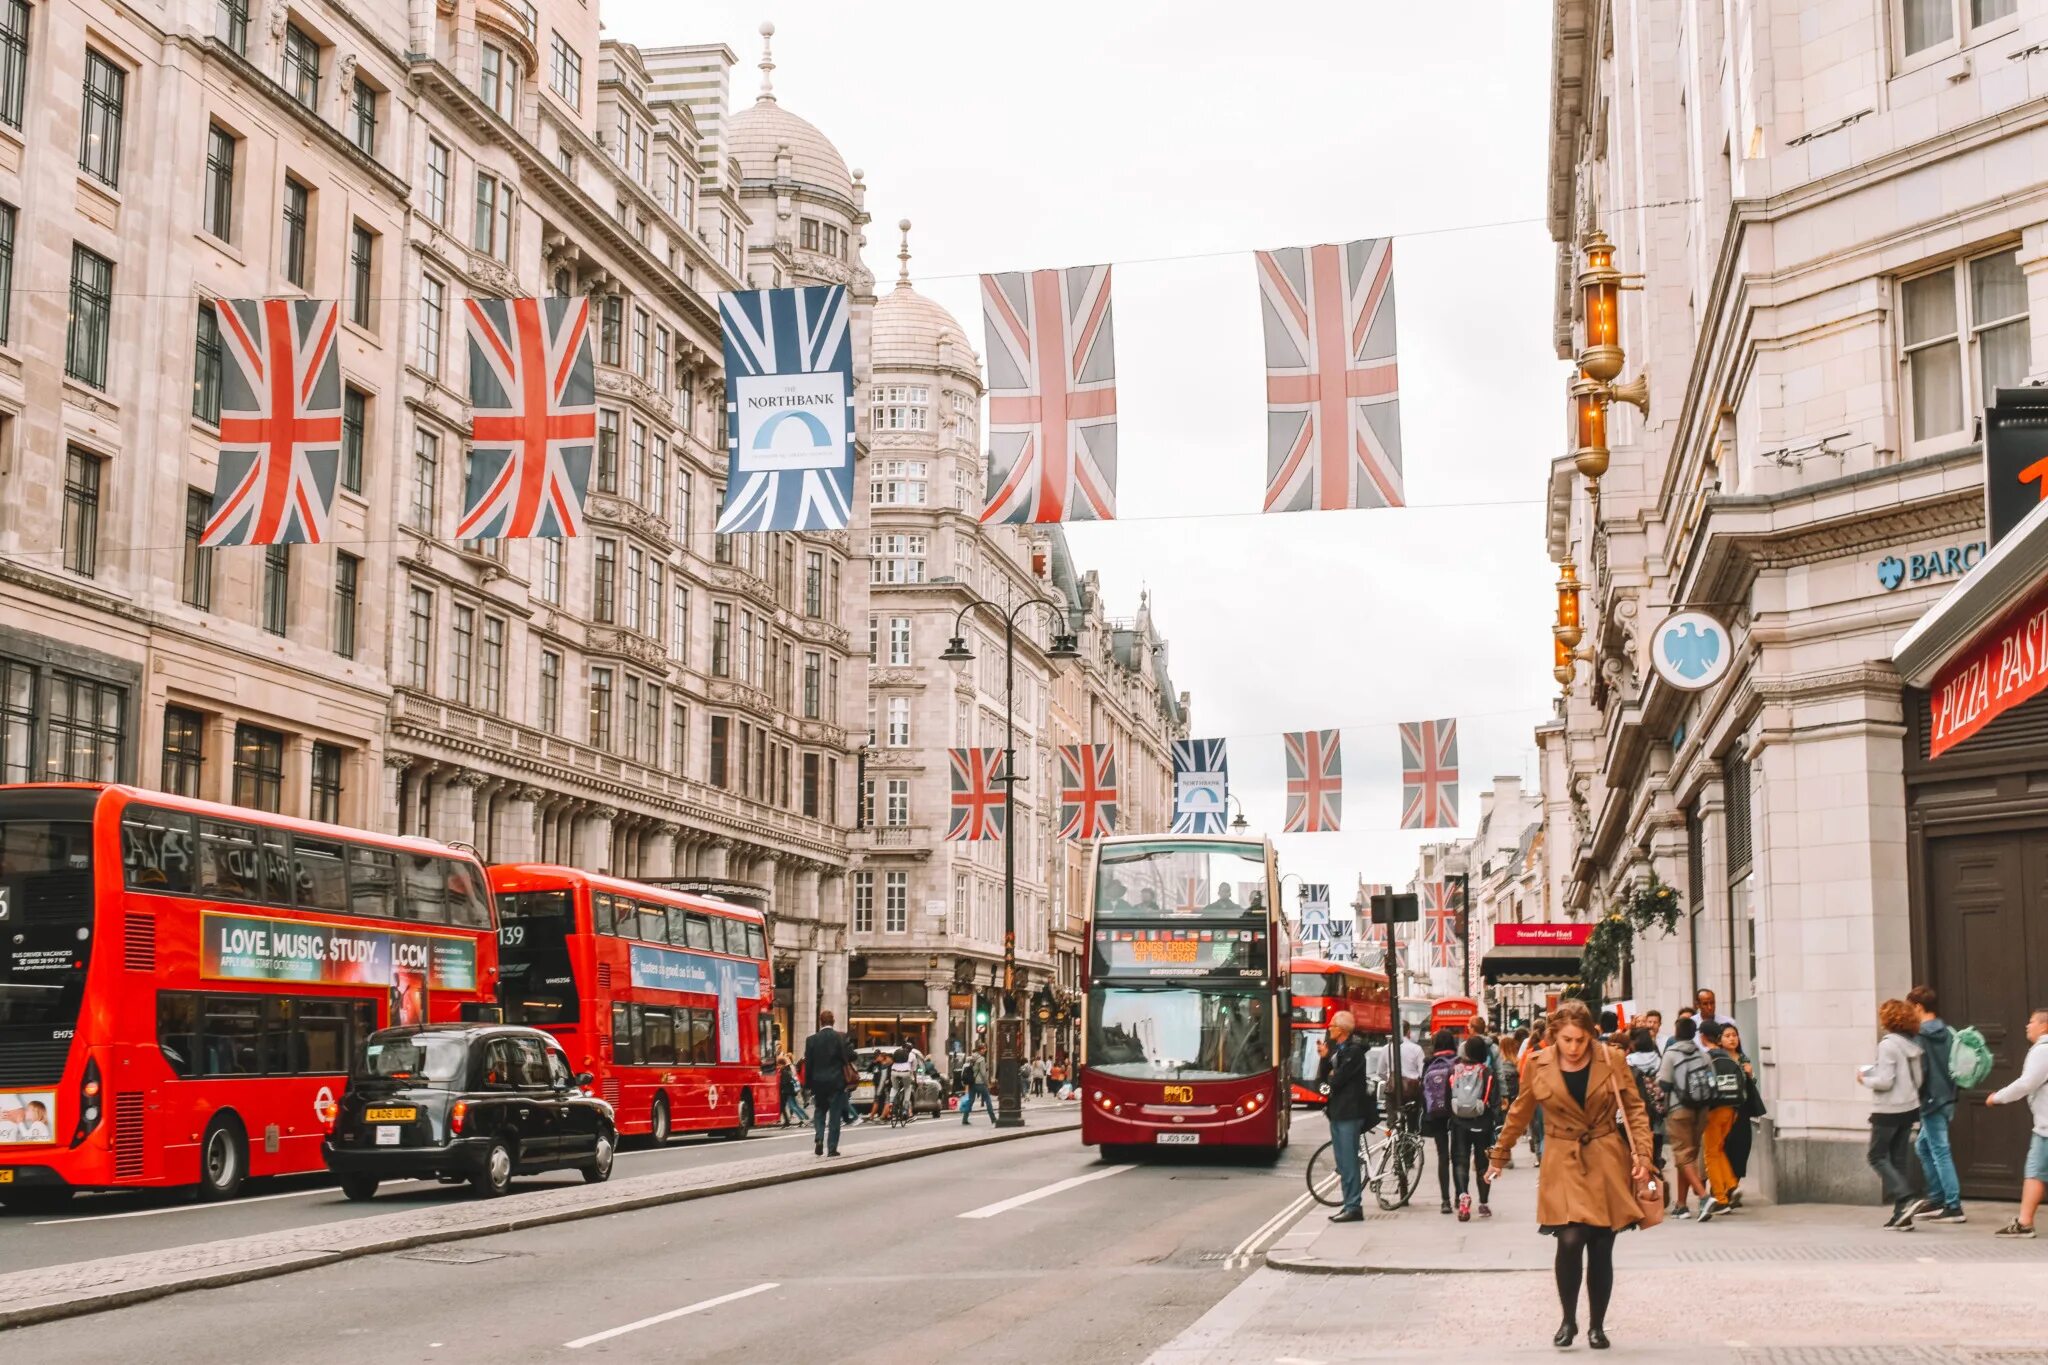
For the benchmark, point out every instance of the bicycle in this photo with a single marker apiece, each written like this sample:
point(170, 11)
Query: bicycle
point(1390, 1164)
point(902, 1102)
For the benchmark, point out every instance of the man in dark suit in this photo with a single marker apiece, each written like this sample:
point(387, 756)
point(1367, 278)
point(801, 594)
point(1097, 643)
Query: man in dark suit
point(1342, 1076)
point(827, 1054)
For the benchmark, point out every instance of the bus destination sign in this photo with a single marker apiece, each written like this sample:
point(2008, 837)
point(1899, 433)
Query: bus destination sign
point(1180, 952)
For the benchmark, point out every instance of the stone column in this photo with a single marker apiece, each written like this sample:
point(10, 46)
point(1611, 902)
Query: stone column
point(593, 838)
point(658, 852)
point(803, 904)
point(393, 791)
point(455, 807)
point(804, 1008)
point(764, 872)
point(942, 1018)
point(831, 941)
point(217, 771)
point(515, 841)
point(715, 859)
point(297, 796)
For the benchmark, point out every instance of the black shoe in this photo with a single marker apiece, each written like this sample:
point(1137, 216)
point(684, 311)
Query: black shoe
point(1447, 1206)
point(1565, 1332)
point(1596, 1338)
point(818, 1148)
point(1348, 1216)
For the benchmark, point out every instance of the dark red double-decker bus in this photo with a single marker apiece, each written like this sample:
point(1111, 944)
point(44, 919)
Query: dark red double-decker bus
point(182, 984)
point(1187, 996)
point(1320, 989)
point(663, 996)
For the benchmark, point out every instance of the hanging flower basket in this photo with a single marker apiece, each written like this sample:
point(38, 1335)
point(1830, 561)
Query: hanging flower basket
point(1651, 905)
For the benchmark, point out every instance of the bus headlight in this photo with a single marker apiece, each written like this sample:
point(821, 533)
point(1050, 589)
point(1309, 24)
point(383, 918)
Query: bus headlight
point(89, 1103)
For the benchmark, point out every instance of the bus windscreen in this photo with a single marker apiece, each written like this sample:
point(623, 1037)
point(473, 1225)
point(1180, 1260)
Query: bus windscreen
point(1211, 881)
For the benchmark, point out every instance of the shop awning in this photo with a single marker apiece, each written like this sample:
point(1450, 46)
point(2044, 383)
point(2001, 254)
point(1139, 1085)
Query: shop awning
point(889, 1016)
point(2002, 580)
point(1530, 965)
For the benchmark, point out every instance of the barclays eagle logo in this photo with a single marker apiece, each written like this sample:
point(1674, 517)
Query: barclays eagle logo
point(1891, 571)
point(1691, 653)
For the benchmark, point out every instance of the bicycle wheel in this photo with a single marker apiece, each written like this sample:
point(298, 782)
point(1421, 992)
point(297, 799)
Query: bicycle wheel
point(1404, 1172)
point(1322, 1177)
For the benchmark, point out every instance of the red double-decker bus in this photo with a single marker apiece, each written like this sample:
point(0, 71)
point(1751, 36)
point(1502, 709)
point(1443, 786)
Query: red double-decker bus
point(1321, 988)
point(666, 998)
point(182, 984)
point(1187, 996)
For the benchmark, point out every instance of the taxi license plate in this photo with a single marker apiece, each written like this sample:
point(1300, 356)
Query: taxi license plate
point(6, 1176)
point(1178, 1139)
point(387, 1137)
point(390, 1115)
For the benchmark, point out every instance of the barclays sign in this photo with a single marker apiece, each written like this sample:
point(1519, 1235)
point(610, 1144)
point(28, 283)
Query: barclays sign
point(1894, 572)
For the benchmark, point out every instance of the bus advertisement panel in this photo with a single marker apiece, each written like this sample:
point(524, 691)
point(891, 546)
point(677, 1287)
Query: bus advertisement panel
point(1186, 994)
point(1319, 989)
point(665, 997)
point(184, 983)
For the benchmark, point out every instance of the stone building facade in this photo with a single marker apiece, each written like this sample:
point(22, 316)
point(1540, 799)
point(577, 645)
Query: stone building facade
point(1840, 215)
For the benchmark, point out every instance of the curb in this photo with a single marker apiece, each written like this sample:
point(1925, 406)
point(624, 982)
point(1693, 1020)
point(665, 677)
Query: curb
point(1290, 1252)
point(89, 1302)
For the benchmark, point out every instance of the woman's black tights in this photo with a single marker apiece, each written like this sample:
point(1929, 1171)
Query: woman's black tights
point(1587, 1250)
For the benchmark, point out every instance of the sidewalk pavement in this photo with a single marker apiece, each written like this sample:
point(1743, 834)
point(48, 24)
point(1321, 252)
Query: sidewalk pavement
point(51, 1292)
point(1419, 1240)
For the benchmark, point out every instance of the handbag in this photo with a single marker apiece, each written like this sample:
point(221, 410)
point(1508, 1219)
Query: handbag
point(1649, 1190)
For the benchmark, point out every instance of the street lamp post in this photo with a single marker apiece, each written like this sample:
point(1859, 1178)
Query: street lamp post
point(1010, 1094)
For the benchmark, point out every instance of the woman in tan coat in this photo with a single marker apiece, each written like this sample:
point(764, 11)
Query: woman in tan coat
point(1585, 1192)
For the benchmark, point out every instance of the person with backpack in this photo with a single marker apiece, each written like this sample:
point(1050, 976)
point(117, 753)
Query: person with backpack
point(1475, 1096)
point(974, 1073)
point(1937, 1107)
point(1436, 1106)
point(1686, 1077)
point(2031, 1085)
point(1643, 1059)
point(1719, 1119)
point(1894, 1082)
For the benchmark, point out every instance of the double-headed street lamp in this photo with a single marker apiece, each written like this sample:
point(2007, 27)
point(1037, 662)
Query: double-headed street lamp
point(1010, 1110)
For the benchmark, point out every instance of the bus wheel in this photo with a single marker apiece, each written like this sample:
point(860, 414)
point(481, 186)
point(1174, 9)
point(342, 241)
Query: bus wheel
point(658, 1126)
point(739, 1131)
point(223, 1159)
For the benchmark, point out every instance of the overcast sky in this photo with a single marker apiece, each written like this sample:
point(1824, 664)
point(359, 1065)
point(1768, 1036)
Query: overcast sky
point(1060, 134)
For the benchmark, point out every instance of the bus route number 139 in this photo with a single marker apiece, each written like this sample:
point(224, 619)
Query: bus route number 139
point(1177, 1094)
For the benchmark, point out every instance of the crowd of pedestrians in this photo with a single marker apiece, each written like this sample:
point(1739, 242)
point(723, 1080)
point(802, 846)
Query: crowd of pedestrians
point(1609, 1105)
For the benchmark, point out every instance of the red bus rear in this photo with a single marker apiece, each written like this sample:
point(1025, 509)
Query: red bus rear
point(1319, 989)
point(1185, 1043)
point(663, 996)
point(184, 983)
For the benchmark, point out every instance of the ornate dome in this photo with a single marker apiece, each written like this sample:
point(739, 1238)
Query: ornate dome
point(754, 135)
point(907, 329)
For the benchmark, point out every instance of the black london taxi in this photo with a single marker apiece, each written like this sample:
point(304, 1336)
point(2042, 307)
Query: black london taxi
point(474, 1102)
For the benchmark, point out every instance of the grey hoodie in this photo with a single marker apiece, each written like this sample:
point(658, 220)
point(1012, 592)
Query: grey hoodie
point(1894, 1079)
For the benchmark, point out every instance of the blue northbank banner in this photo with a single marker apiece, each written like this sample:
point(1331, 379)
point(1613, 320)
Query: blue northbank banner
point(789, 409)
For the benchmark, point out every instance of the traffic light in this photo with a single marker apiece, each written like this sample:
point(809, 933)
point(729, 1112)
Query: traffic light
point(980, 1011)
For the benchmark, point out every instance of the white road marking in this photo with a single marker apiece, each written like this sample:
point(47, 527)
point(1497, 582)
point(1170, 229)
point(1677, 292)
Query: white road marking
point(1043, 1192)
point(205, 1208)
point(1241, 1255)
point(330, 1189)
point(669, 1316)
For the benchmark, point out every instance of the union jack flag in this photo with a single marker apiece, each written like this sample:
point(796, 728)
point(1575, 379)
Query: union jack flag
point(280, 422)
point(977, 794)
point(1440, 924)
point(1201, 786)
point(1369, 932)
point(1315, 782)
point(533, 423)
point(1191, 896)
point(789, 409)
point(1051, 395)
point(1333, 411)
point(1088, 790)
point(1429, 775)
